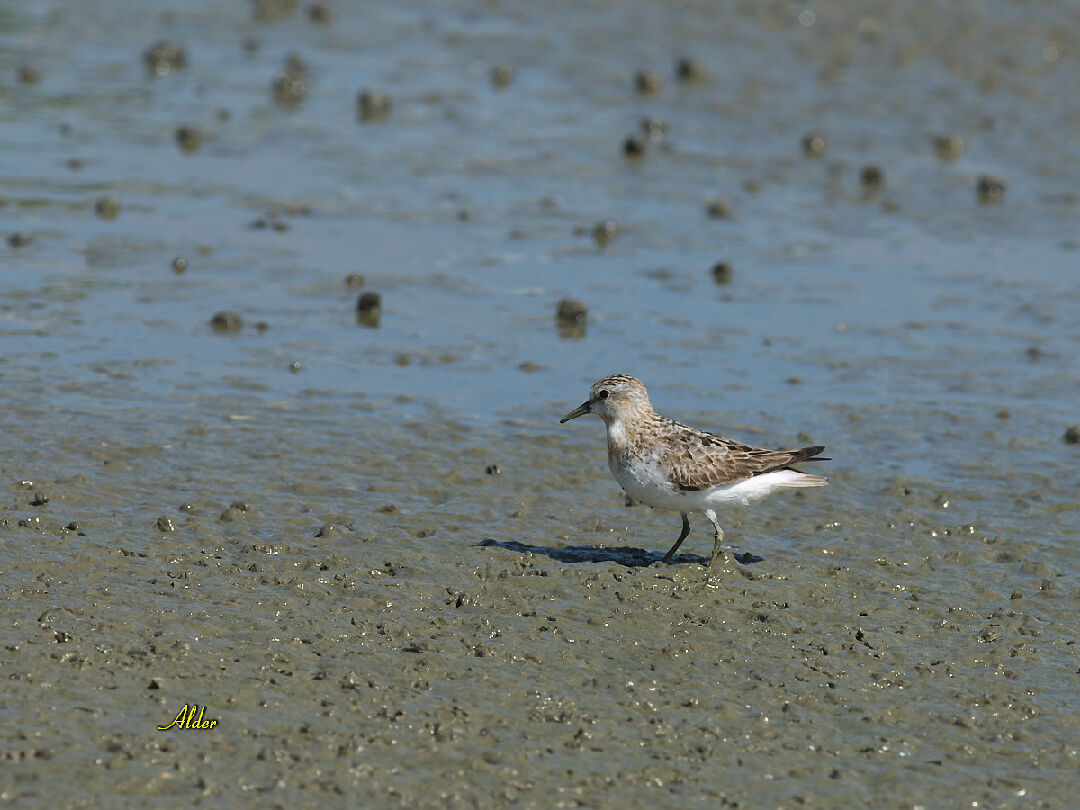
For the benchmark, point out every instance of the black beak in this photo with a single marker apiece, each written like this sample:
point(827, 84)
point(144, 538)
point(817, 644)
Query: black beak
point(580, 410)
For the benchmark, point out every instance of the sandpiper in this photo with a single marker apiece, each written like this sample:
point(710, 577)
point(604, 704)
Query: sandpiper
point(670, 466)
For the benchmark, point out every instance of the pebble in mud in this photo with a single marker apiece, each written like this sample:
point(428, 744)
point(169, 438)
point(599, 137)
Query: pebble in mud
point(990, 189)
point(689, 70)
point(718, 209)
point(165, 524)
point(355, 280)
point(493, 469)
point(226, 321)
point(1072, 434)
point(604, 232)
point(369, 309)
point(647, 82)
point(369, 302)
point(502, 75)
point(107, 207)
point(189, 139)
point(372, 106)
point(28, 74)
point(270, 10)
point(872, 177)
point(722, 272)
point(633, 147)
point(320, 13)
point(654, 129)
point(948, 147)
point(813, 145)
point(18, 240)
point(571, 317)
point(163, 57)
point(179, 265)
point(572, 311)
point(271, 222)
point(289, 88)
point(237, 511)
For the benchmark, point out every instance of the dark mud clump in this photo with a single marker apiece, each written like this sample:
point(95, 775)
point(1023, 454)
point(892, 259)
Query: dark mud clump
point(990, 189)
point(502, 76)
point(164, 57)
point(289, 88)
point(654, 129)
point(813, 145)
point(265, 11)
point(647, 82)
point(369, 309)
point(604, 232)
point(107, 207)
point(571, 317)
point(372, 106)
point(690, 70)
point(320, 13)
point(633, 147)
point(189, 139)
point(872, 177)
point(226, 321)
point(722, 272)
point(718, 209)
point(948, 147)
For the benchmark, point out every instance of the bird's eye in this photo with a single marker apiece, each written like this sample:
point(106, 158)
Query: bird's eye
point(602, 395)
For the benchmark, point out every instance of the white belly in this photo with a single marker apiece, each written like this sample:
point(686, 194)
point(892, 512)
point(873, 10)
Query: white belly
point(647, 482)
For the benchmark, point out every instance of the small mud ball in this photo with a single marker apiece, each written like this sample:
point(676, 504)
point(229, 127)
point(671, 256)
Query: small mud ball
point(107, 208)
point(813, 145)
point(721, 272)
point(571, 311)
point(604, 232)
point(369, 303)
point(872, 177)
point(373, 106)
point(990, 189)
point(226, 321)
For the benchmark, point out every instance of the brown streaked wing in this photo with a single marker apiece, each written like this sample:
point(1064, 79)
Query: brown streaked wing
point(700, 460)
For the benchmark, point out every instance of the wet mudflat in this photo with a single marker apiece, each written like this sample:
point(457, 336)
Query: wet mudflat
point(281, 364)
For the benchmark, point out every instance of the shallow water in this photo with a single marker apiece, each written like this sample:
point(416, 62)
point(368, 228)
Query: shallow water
point(370, 551)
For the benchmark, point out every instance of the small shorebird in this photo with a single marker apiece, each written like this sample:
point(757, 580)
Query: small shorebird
point(670, 466)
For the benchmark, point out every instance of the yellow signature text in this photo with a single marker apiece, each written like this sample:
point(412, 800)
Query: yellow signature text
point(187, 719)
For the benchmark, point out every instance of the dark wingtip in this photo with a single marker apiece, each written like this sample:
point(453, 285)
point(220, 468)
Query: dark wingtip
point(811, 454)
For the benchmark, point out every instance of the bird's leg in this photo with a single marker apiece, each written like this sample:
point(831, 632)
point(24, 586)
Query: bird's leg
point(718, 537)
point(685, 531)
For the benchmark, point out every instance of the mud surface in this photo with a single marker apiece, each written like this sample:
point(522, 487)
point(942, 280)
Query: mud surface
point(281, 367)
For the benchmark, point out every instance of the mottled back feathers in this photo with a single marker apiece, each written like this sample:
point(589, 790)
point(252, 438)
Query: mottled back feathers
point(697, 460)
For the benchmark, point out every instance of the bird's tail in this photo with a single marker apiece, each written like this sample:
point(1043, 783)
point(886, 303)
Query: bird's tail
point(808, 454)
point(801, 479)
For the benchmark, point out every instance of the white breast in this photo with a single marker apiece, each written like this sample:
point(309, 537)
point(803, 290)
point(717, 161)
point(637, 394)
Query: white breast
point(641, 475)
